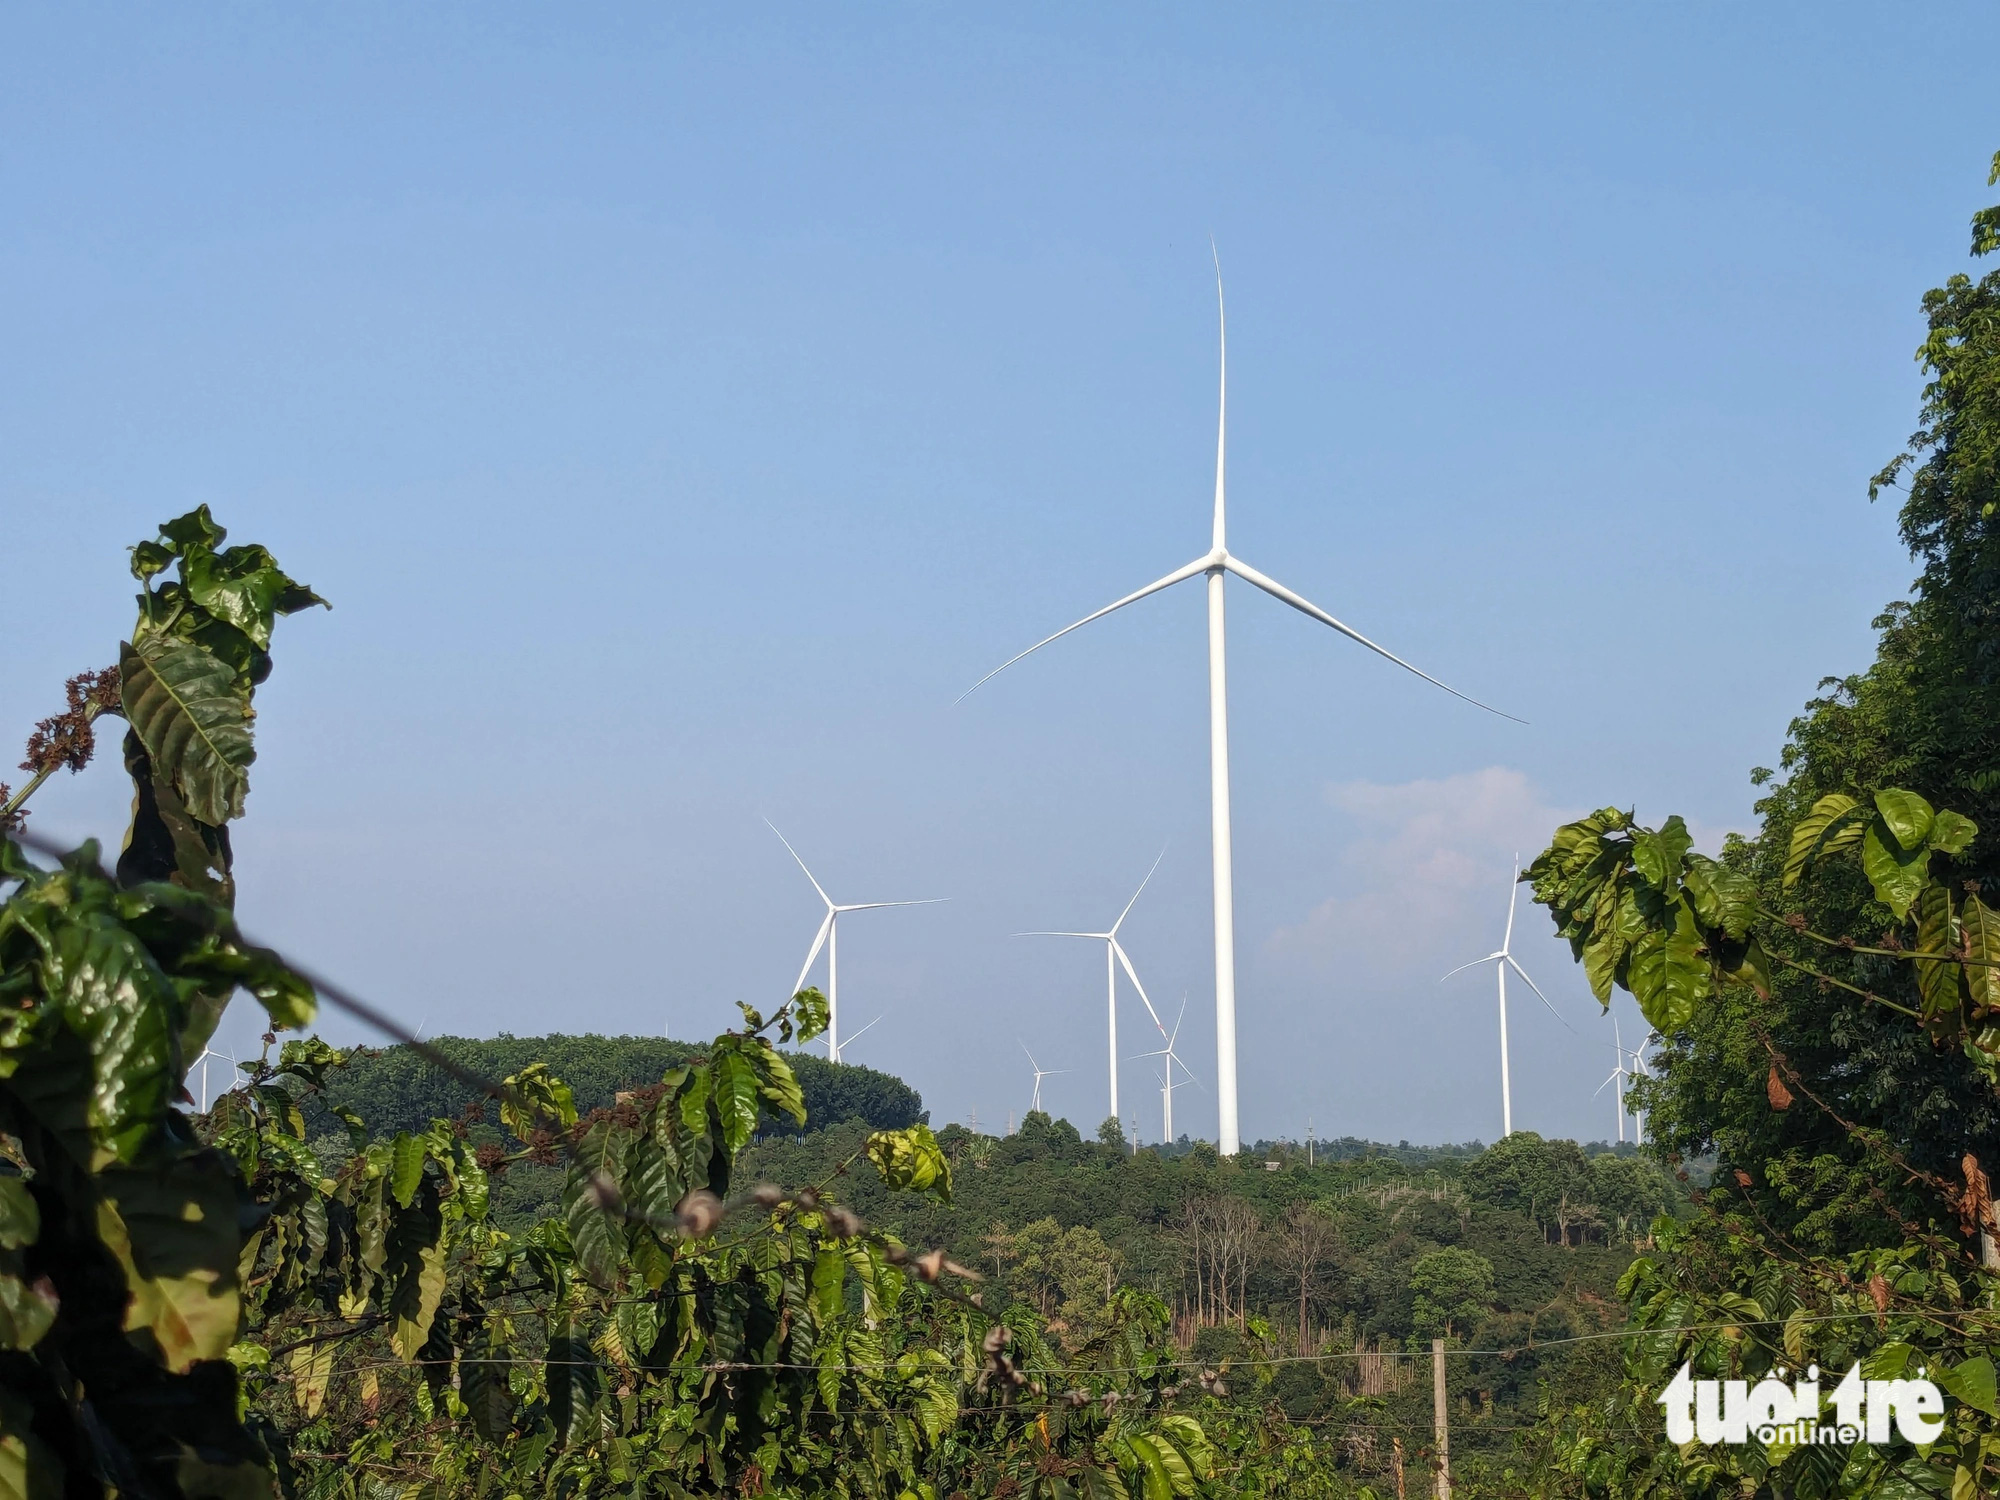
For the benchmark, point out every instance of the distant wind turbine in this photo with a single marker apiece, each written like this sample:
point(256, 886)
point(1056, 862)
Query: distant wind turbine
point(1114, 955)
point(828, 937)
point(1616, 1078)
point(1168, 1083)
point(1639, 1070)
point(1214, 564)
point(1502, 958)
point(1040, 1073)
point(202, 1063)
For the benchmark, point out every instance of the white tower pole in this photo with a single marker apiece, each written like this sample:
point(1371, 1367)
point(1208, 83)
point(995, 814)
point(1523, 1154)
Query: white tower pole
point(1218, 773)
point(1506, 1093)
point(1111, 1019)
point(833, 988)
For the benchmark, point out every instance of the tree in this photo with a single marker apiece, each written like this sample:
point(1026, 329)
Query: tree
point(1304, 1242)
point(1541, 1178)
point(1448, 1287)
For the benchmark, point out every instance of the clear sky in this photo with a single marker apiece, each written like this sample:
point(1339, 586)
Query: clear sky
point(681, 407)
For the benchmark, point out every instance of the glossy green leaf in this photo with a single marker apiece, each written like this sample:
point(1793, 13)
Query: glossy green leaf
point(416, 1266)
point(1834, 823)
point(483, 1368)
point(809, 1014)
point(780, 1086)
point(1658, 856)
point(736, 1096)
point(911, 1159)
point(1972, 1382)
point(114, 996)
point(1937, 932)
point(1722, 898)
point(20, 1219)
point(1906, 815)
point(243, 587)
point(541, 1102)
point(572, 1373)
point(1979, 926)
point(173, 1230)
point(183, 704)
point(27, 1312)
point(406, 1167)
point(1666, 972)
point(596, 1232)
point(829, 1280)
point(1897, 873)
point(1952, 833)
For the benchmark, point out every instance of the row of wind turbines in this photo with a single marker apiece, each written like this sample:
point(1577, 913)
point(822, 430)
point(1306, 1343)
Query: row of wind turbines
point(1214, 566)
point(1173, 1072)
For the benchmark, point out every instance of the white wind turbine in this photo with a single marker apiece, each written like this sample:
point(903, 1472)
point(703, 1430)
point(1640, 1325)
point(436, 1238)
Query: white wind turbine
point(1502, 958)
point(1114, 955)
point(828, 937)
point(1040, 1073)
point(202, 1063)
point(1214, 564)
point(1616, 1078)
point(1168, 1083)
point(1639, 1070)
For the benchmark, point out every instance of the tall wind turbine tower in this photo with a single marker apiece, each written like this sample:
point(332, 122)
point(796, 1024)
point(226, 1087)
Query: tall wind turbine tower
point(1502, 958)
point(828, 938)
point(1114, 955)
point(1213, 565)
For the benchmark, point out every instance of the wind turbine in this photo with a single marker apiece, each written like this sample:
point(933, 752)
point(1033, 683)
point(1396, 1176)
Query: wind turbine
point(828, 938)
point(1639, 1070)
point(202, 1063)
point(1114, 955)
point(1214, 565)
point(1168, 1083)
point(1501, 958)
point(1040, 1073)
point(1617, 1076)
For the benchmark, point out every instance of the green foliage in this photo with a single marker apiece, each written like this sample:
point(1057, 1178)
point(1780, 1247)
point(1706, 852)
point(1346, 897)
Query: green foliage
point(400, 1089)
point(1448, 1288)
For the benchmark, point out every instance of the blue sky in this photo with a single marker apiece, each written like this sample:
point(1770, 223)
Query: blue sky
point(681, 408)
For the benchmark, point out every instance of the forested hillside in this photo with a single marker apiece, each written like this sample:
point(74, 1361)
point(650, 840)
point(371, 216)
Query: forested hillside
point(399, 1089)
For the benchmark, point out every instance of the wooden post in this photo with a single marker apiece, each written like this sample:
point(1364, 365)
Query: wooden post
point(1441, 1419)
point(1399, 1470)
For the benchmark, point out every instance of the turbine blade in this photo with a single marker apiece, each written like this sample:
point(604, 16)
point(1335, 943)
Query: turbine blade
point(1221, 393)
point(1607, 1083)
point(849, 1040)
point(878, 905)
point(1138, 893)
point(1133, 975)
point(1031, 1059)
point(1514, 890)
point(1278, 591)
point(1473, 965)
point(1538, 992)
point(819, 942)
point(802, 864)
point(1199, 565)
point(1099, 935)
point(1191, 1078)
